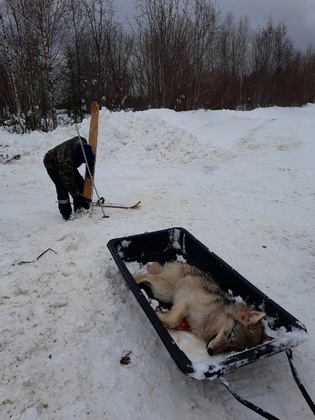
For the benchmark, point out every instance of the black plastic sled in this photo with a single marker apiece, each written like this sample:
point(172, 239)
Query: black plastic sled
point(177, 243)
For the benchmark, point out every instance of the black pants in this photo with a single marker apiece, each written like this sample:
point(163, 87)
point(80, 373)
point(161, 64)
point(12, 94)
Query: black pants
point(62, 192)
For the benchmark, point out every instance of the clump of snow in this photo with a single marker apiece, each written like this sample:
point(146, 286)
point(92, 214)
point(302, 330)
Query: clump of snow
point(241, 182)
point(153, 302)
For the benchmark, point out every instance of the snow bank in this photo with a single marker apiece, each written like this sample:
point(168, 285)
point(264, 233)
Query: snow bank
point(74, 342)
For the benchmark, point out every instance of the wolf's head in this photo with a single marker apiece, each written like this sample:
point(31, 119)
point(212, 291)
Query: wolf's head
point(240, 330)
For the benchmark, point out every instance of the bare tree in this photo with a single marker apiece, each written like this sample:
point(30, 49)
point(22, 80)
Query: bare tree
point(22, 47)
point(157, 22)
point(119, 69)
point(73, 83)
point(233, 59)
point(99, 27)
point(11, 73)
point(308, 74)
point(179, 54)
point(175, 47)
point(48, 19)
point(272, 52)
point(202, 38)
point(36, 30)
point(98, 58)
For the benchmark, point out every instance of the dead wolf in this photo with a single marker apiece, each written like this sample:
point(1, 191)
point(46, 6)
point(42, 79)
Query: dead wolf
point(224, 324)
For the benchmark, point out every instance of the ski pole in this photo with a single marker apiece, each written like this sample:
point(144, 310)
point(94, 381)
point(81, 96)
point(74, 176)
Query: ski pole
point(89, 172)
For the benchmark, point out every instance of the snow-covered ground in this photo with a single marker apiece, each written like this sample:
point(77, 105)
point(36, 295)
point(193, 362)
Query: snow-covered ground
point(243, 183)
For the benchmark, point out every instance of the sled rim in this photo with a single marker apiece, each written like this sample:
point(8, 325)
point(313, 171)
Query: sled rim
point(125, 250)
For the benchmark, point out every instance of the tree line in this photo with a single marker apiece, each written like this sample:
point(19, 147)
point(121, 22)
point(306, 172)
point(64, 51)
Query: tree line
point(60, 55)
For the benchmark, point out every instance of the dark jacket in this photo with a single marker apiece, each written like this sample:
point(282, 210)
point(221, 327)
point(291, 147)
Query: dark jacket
point(66, 157)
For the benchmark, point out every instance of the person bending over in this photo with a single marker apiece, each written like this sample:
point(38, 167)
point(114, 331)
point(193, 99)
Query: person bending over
point(61, 164)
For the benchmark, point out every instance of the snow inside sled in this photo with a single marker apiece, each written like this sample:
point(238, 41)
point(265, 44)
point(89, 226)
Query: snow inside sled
point(177, 243)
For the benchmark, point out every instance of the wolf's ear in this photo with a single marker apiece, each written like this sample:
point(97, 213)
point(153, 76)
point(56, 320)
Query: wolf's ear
point(248, 317)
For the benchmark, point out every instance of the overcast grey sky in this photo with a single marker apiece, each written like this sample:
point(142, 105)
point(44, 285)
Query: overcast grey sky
point(298, 15)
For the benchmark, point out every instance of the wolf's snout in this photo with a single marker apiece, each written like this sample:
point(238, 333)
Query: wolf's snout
point(210, 351)
point(209, 347)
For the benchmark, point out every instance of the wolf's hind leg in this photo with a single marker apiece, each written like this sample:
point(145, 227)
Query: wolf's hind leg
point(174, 317)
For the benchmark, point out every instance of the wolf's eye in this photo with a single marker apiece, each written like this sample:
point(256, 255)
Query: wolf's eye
point(212, 338)
point(230, 334)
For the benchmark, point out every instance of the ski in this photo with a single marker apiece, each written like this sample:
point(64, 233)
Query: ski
point(93, 132)
point(102, 203)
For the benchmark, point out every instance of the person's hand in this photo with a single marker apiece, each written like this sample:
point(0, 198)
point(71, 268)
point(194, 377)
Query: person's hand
point(83, 202)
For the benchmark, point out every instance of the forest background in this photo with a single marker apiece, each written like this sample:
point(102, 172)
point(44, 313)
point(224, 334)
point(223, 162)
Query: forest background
point(57, 56)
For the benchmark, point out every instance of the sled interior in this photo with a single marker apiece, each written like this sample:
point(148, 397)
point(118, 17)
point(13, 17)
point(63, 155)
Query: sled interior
point(169, 244)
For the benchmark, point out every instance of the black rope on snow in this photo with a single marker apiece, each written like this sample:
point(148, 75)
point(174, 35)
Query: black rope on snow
point(49, 249)
point(30, 262)
point(247, 404)
point(298, 381)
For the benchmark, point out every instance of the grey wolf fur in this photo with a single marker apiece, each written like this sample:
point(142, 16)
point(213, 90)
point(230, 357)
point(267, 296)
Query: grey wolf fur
point(225, 325)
